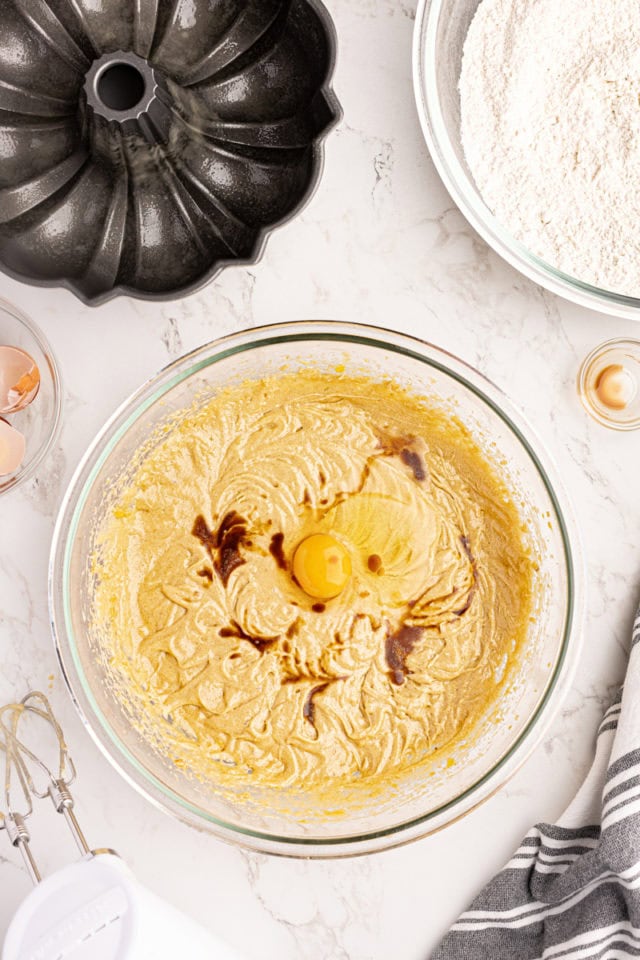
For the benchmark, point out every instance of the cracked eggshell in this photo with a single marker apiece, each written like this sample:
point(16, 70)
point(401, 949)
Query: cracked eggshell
point(12, 448)
point(19, 379)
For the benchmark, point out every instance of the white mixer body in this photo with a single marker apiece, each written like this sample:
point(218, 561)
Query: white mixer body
point(96, 910)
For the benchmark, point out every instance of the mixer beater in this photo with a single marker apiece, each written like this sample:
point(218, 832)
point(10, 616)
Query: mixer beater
point(92, 909)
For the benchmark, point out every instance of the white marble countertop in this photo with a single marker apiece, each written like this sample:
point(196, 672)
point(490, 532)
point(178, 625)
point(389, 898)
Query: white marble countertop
point(380, 243)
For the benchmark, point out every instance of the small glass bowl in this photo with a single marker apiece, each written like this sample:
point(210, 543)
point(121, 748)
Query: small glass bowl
point(622, 353)
point(38, 422)
point(440, 32)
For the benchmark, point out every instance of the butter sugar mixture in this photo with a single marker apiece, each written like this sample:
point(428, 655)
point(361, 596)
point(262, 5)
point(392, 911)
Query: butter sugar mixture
point(312, 578)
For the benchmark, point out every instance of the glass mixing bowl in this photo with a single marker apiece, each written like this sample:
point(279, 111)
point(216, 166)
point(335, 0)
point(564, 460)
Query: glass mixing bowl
point(440, 31)
point(424, 799)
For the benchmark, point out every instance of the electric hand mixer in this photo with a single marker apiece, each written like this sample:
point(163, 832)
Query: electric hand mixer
point(92, 909)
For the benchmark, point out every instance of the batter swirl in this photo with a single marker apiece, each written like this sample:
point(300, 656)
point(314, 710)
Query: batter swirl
point(213, 631)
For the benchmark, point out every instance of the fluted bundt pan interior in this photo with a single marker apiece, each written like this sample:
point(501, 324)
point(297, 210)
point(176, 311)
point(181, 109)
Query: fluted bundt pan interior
point(145, 144)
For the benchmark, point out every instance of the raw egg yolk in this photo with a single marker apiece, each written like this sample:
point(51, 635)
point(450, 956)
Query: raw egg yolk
point(321, 566)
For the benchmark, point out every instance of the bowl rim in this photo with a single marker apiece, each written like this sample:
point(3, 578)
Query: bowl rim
point(52, 364)
point(466, 196)
point(98, 726)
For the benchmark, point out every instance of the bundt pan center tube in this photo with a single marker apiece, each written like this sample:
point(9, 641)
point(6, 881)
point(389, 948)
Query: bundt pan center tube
point(146, 144)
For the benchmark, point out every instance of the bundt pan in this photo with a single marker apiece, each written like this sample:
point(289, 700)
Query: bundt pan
point(145, 144)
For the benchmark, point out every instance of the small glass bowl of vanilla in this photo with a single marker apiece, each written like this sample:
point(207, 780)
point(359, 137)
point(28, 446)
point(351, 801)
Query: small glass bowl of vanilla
point(609, 384)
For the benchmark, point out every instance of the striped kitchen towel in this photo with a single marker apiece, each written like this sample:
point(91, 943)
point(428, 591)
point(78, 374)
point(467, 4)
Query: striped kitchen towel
point(571, 891)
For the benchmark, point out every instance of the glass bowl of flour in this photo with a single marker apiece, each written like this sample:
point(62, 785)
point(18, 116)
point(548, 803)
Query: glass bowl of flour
point(531, 112)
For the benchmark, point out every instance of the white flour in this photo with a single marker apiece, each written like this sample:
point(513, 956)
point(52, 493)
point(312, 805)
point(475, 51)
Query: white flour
point(550, 100)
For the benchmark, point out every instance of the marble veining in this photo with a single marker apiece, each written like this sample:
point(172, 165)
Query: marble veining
point(379, 243)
